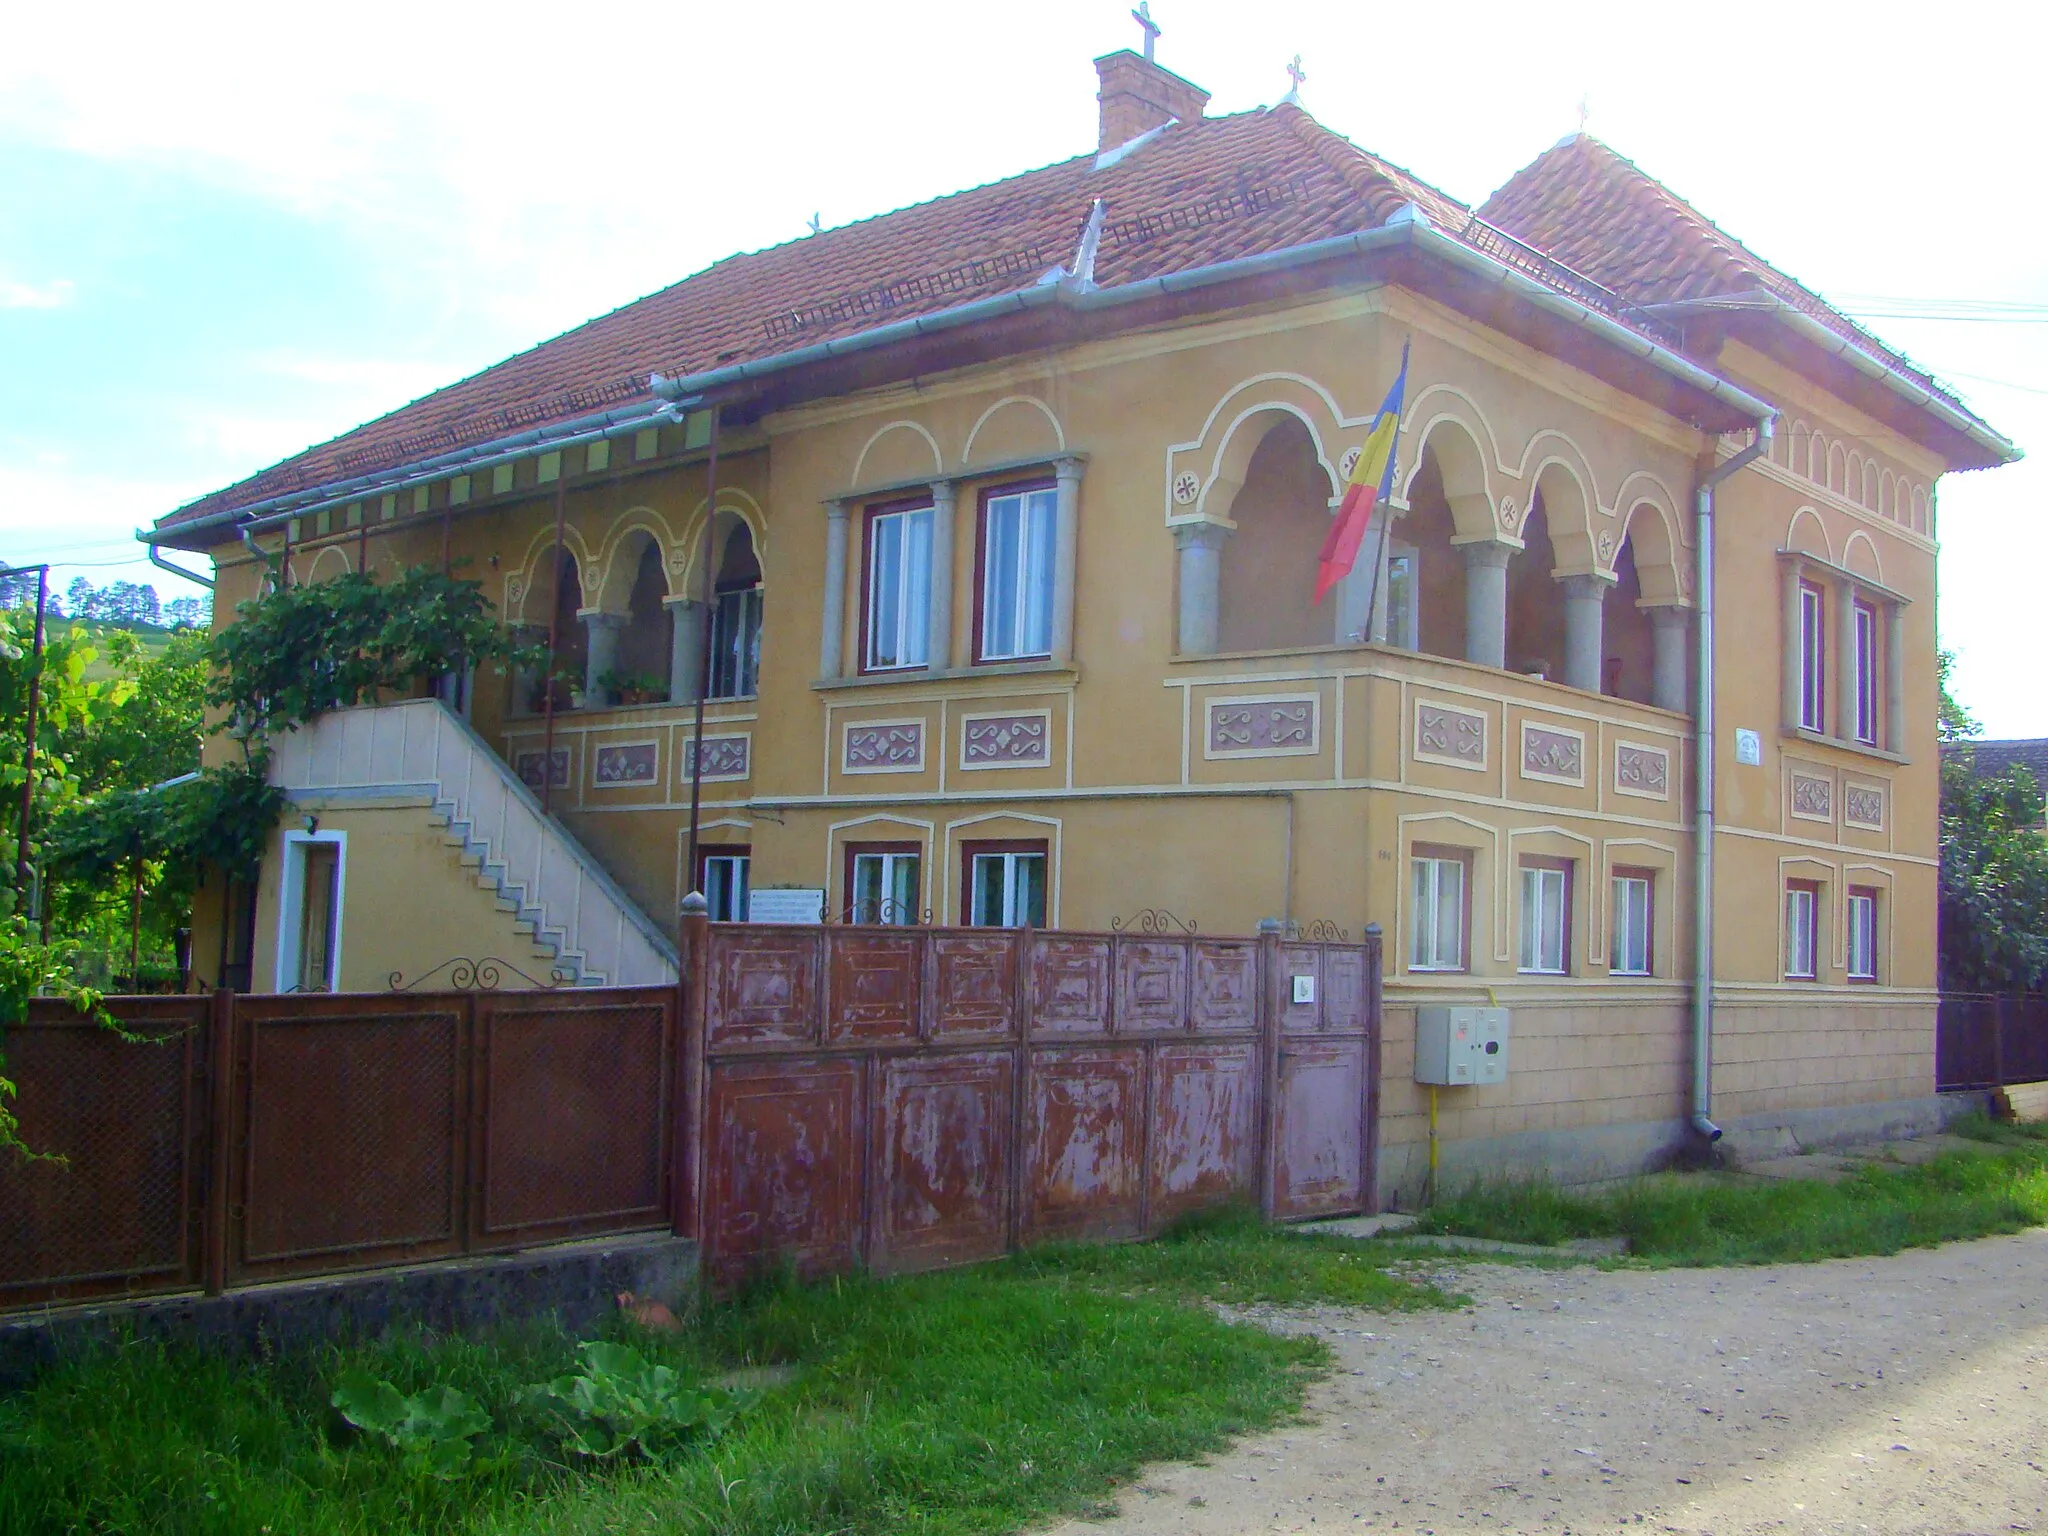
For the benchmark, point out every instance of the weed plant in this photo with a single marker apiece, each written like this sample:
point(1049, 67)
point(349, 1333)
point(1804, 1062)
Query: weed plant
point(969, 1401)
point(1705, 1219)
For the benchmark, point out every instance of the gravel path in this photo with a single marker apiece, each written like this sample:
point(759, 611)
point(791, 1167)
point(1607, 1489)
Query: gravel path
point(1890, 1395)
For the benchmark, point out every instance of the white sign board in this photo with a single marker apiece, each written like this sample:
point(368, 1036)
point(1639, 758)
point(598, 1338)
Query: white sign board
point(773, 906)
point(1749, 748)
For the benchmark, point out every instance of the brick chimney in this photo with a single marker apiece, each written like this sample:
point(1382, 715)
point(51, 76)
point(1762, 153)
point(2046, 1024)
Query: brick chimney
point(1138, 96)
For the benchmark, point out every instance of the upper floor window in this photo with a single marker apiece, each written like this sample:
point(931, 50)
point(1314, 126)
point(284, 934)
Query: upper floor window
point(1862, 933)
point(1436, 929)
point(1005, 884)
point(1016, 559)
point(1546, 916)
point(896, 620)
point(1866, 679)
point(1813, 702)
point(735, 671)
point(1802, 930)
point(1632, 953)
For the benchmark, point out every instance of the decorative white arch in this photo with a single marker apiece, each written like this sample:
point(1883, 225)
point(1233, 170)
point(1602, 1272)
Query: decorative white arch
point(1059, 434)
point(734, 504)
point(519, 581)
point(1660, 571)
point(1468, 486)
point(1802, 519)
point(1569, 503)
point(1861, 540)
point(899, 425)
point(329, 563)
point(618, 558)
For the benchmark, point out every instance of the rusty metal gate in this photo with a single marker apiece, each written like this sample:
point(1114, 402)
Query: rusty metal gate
point(903, 1098)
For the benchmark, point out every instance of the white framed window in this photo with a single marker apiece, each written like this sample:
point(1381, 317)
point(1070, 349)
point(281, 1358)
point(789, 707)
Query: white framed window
point(899, 589)
point(736, 645)
point(1862, 934)
point(1437, 916)
point(883, 886)
point(1813, 693)
point(309, 911)
point(1404, 569)
point(1865, 618)
point(725, 884)
point(1802, 930)
point(1005, 885)
point(1632, 950)
point(1546, 916)
point(1017, 530)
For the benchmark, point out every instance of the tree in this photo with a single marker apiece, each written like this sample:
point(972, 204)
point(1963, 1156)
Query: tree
point(1993, 902)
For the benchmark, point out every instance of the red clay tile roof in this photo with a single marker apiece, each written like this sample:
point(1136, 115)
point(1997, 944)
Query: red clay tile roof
point(1602, 216)
point(1202, 192)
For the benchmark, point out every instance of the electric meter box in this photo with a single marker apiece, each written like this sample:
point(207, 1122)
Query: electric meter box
point(1461, 1047)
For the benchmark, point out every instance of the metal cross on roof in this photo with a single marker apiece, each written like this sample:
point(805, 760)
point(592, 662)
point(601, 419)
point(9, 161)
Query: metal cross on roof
point(1143, 17)
point(1296, 73)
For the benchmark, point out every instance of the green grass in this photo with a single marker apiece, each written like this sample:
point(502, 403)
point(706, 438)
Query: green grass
point(976, 1400)
point(1705, 1219)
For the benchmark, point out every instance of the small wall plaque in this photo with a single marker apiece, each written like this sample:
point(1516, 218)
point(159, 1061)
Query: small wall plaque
point(1749, 748)
point(771, 906)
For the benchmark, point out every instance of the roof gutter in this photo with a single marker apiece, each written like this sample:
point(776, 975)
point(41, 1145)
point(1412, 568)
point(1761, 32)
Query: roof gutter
point(1835, 344)
point(1408, 228)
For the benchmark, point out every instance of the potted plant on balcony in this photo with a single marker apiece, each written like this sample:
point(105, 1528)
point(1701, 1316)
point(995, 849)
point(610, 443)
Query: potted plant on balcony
point(632, 687)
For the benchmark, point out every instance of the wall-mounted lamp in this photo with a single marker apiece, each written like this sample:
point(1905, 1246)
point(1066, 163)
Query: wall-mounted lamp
point(311, 822)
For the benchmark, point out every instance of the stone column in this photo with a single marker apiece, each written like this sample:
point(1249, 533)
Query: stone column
point(1585, 602)
point(1671, 665)
point(1894, 733)
point(685, 649)
point(603, 652)
point(831, 639)
point(938, 642)
point(1844, 594)
point(1065, 542)
point(1486, 603)
point(1201, 581)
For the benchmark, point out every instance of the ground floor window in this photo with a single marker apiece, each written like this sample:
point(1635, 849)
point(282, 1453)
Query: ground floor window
point(1862, 933)
point(1546, 915)
point(883, 882)
point(723, 878)
point(1802, 930)
point(1632, 952)
point(1005, 884)
point(1437, 922)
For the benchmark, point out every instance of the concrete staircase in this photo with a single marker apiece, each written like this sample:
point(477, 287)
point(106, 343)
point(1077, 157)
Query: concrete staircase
point(559, 896)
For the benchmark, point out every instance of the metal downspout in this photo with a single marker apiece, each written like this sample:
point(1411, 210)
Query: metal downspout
point(1703, 795)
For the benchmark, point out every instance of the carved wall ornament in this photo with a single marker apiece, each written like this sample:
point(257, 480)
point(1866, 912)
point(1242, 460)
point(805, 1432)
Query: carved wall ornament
point(527, 766)
point(1447, 735)
point(1863, 806)
point(1607, 546)
point(1186, 487)
point(1510, 519)
point(1275, 726)
point(623, 764)
point(725, 757)
point(1641, 770)
point(1554, 753)
point(515, 590)
point(1813, 798)
point(1019, 739)
point(884, 746)
point(1348, 463)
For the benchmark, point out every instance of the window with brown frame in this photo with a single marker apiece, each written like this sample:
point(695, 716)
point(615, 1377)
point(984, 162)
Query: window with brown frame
point(884, 883)
point(723, 875)
point(1802, 930)
point(1003, 883)
point(1634, 922)
point(1546, 923)
point(896, 585)
point(1862, 933)
point(1013, 571)
point(1440, 910)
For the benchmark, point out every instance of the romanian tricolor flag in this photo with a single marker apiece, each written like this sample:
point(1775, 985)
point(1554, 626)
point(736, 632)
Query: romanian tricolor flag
point(1372, 482)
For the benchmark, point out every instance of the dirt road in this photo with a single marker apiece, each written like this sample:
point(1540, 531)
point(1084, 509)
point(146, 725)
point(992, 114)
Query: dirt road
point(1884, 1395)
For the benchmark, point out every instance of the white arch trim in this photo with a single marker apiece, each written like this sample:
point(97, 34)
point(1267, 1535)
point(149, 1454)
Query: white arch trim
point(902, 424)
point(518, 583)
point(1792, 528)
point(1058, 432)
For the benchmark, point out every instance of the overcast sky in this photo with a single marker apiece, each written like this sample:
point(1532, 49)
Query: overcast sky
point(227, 232)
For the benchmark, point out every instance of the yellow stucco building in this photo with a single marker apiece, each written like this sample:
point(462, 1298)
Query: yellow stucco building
point(988, 530)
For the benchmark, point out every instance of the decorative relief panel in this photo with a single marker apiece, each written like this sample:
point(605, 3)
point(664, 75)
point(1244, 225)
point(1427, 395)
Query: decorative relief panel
point(884, 746)
point(1022, 739)
point(1279, 726)
point(623, 764)
point(1640, 770)
point(1813, 798)
point(1447, 735)
point(1863, 806)
point(725, 757)
point(1551, 752)
point(527, 766)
